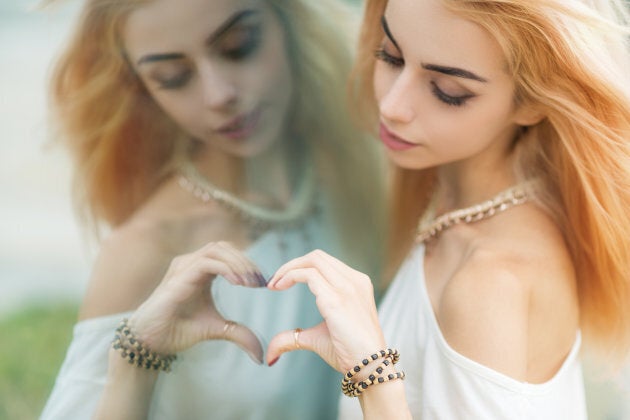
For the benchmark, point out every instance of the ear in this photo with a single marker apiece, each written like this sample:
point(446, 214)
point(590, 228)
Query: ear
point(527, 115)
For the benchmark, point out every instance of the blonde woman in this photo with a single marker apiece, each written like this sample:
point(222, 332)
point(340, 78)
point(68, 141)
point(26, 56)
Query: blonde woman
point(508, 123)
point(210, 141)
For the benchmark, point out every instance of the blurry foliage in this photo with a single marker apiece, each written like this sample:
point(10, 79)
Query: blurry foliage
point(33, 343)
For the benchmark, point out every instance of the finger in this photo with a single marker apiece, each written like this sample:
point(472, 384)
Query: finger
point(316, 283)
point(196, 266)
point(253, 276)
point(240, 335)
point(315, 339)
point(200, 264)
point(224, 252)
point(242, 266)
point(332, 269)
point(202, 270)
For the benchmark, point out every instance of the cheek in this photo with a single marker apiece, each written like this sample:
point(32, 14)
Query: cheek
point(382, 81)
point(472, 131)
point(280, 76)
point(182, 109)
point(275, 74)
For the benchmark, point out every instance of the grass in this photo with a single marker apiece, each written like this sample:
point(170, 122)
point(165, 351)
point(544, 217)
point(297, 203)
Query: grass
point(33, 343)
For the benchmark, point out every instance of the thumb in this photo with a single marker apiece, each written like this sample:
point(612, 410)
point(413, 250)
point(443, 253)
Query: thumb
point(243, 337)
point(315, 339)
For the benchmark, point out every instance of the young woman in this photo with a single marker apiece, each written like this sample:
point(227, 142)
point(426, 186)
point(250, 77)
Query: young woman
point(211, 137)
point(508, 122)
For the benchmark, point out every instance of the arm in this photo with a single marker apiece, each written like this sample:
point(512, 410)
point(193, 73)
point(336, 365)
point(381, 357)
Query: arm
point(128, 390)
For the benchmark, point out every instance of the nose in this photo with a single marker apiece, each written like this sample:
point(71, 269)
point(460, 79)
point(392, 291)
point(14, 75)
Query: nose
point(218, 88)
point(396, 104)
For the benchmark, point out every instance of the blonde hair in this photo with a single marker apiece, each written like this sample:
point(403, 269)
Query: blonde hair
point(569, 60)
point(124, 145)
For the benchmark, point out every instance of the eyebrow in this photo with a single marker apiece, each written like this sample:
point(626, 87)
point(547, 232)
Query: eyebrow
point(450, 71)
point(218, 33)
point(388, 32)
point(454, 71)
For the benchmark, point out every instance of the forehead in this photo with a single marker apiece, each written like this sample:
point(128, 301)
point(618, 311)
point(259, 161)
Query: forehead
point(178, 25)
point(428, 32)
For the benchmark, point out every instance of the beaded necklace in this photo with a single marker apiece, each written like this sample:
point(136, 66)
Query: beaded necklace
point(506, 199)
point(259, 219)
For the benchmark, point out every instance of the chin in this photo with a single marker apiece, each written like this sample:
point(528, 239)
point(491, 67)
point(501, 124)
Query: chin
point(250, 149)
point(405, 161)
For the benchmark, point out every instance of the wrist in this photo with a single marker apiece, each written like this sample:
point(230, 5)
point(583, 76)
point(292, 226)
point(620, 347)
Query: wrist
point(137, 353)
point(386, 401)
point(364, 375)
point(120, 371)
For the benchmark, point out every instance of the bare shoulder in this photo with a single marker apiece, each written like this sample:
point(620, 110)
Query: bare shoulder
point(512, 305)
point(130, 264)
point(483, 313)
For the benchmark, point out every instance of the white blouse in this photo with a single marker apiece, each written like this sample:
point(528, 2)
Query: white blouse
point(443, 384)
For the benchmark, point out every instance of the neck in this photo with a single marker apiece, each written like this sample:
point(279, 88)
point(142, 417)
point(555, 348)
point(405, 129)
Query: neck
point(263, 179)
point(462, 184)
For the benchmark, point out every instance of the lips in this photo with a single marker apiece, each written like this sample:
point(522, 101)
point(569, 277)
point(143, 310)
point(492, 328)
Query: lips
point(392, 141)
point(242, 126)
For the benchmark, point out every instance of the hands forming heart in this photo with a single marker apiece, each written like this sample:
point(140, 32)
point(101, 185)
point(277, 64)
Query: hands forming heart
point(181, 311)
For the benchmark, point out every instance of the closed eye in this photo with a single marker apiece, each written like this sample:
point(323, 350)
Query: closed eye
point(387, 58)
point(449, 99)
point(247, 41)
point(174, 82)
point(398, 62)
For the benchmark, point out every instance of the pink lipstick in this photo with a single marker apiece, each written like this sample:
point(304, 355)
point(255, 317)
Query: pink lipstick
point(392, 141)
point(241, 127)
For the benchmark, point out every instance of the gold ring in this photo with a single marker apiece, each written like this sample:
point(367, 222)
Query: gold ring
point(228, 328)
point(296, 337)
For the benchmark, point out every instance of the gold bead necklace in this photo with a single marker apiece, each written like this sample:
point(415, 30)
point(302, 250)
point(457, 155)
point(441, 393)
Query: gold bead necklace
point(506, 199)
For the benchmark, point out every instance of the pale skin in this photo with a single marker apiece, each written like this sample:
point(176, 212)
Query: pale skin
point(207, 64)
point(503, 290)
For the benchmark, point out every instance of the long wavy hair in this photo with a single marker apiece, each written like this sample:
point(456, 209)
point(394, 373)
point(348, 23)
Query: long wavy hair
point(570, 60)
point(124, 145)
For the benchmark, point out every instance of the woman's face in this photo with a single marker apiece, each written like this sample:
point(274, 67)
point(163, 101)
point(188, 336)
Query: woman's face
point(443, 93)
point(218, 68)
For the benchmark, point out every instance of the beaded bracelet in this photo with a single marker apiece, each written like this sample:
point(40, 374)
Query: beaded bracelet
point(354, 389)
point(132, 350)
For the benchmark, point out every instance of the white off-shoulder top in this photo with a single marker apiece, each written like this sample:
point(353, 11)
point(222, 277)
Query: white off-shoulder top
point(443, 384)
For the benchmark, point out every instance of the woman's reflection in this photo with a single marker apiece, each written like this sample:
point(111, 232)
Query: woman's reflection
point(210, 139)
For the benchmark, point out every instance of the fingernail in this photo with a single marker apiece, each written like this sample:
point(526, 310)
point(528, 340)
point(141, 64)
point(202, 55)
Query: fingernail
point(262, 282)
point(271, 281)
point(255, 358)
point(273, 362)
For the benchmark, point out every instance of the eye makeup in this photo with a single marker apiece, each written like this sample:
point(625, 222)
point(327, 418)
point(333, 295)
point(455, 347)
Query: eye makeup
point(397, 62)
point(237, 39)
point(240, 43)
point(170, 79)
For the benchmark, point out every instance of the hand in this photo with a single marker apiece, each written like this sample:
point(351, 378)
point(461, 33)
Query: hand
point(181, 312)
point(345, 298)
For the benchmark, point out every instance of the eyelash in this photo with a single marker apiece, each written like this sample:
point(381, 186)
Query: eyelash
point(389, 59)
point(175, 82)
point(397, 62)
point(246, 48)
